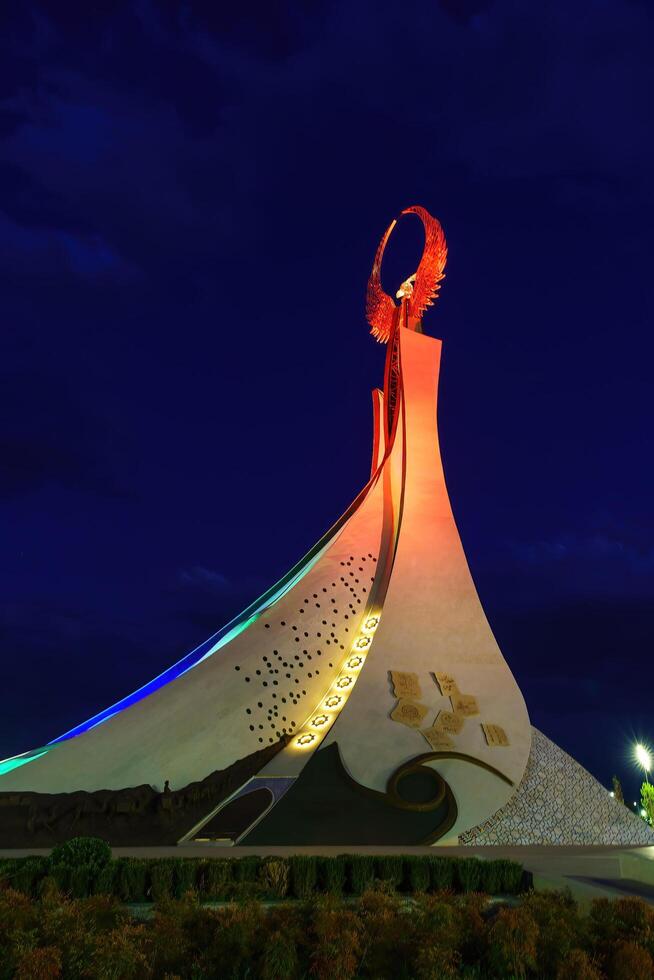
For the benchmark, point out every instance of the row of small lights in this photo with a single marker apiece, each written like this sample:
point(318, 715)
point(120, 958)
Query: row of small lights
point(317, 726)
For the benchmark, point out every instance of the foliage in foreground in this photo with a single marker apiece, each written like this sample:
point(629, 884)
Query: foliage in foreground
point(83, 867)
point(379, 935)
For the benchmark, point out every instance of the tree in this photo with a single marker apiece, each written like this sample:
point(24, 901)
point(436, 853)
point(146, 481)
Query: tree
point(647, 801)
point(617, 790)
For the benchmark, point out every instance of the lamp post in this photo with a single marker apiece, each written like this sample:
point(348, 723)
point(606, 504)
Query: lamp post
point(644, 759)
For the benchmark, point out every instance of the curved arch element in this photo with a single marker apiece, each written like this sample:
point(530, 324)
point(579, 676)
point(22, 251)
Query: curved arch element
point(381, 311)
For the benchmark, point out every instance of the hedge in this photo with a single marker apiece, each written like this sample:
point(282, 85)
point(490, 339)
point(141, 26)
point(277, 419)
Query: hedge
point(134, 880)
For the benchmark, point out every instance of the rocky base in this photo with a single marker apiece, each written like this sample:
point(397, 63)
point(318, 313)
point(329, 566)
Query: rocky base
point(138, 816)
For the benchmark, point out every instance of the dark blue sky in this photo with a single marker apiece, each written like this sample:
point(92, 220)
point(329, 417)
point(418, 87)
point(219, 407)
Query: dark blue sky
point(190, 199)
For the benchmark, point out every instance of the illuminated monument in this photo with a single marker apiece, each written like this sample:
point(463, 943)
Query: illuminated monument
point(362, 700)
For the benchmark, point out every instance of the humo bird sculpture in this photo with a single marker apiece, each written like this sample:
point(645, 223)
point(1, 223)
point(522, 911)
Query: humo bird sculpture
point(418, 291)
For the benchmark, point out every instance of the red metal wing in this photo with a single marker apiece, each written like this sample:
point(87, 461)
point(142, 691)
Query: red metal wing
point(380, 308)
point(430, 271)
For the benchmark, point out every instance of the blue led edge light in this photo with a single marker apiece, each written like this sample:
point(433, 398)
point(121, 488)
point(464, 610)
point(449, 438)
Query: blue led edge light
point(229, 632)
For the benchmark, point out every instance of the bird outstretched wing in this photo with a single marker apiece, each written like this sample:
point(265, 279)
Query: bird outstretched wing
point(430, 271)
point(380, 308)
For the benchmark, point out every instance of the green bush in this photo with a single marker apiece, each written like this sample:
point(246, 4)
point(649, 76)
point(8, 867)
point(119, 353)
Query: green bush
point(79, 881)
point(215, 876)
point(275, 875)
point(303, 875)
point(27, 873)
point(162, 877)
point(61, 876)
point(491, 877)
point(332, 873)
point(6, 866)
point(442, 872)
point(222, 879)
point(131, 879)
point(186, 876)
point(511, 878)
point(361, 873)
point(88, 852)
point(417, 874)
point(246, 869)
point(468, 872)
point(106, 880)
point(390, 869)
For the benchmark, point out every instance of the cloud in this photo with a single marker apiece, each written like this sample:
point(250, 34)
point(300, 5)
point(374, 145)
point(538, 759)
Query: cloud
point(24, 249)
point(633, 548)
point(205, 579)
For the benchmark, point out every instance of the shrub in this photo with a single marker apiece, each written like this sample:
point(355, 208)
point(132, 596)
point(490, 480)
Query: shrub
point(630, 960)
point(491, 877)
point(507, 874)
point(61, 876)
point(303, 875)
point(468, 872)
point(512, 943)
point(559, 925)
point(332, 874)
point(473, 910)
point(162, 874)
point(362, 873)
point(387, 933)
point(516, 879)
point(79, 881)
point(337, 939)
point(215, 876)
point(246, 869)
point(279, 959)
point(437, 938)
point(441, 874)
point(18, 923)
point(121, 954)
point(27, 873)
point(275, 877)
point(39, 964)
point(6, 866)
point(106, 880)
point(89, 852)
point(186, 875)
point(417, 874)
point(390, 868)
point(621, 920)
point(578, 965)
point(130, 878)
point(236, 942)
point(48, 890)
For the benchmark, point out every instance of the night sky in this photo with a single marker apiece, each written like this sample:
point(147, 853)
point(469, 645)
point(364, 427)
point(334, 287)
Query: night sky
point(191, 195)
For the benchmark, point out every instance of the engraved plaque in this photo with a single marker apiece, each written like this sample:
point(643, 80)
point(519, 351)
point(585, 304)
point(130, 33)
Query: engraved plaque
point(464, 704)
point(495, 735)
point(409, 713)
point(405, 685)
point(450, 722)
point(447, 684)
point(439, 740)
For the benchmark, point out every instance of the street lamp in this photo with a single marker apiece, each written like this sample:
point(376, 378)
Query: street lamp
point(643, 759)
